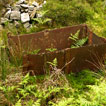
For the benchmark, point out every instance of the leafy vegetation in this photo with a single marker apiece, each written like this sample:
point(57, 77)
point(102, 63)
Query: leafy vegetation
point(35, 51)
point(78, 42)
point(51, 49)
point(85, 88)
point(68, 12)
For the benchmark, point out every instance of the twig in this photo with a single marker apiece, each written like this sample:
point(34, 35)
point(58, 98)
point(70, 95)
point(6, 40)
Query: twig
point(67, 63)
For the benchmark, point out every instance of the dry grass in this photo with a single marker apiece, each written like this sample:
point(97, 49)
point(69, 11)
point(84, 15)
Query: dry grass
point(56, 79)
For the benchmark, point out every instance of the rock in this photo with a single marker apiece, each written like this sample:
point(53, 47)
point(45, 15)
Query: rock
point(3, 11)
point(25, 17)
point(26, 10)
point(18, 6)
point(29, 12)
point(8, 9)
point(8, 6)
point(33, 13)
point(15, 15)
point(7, 15)
point(17, 24)
point(31, 8)
point(21, 1)
point(27, 25)
point(44, 2)
point(39, 15)
point(22, 10)
point(35, 4)
point(15, 9)
point(3, 20)
point(24, 5)
point(39, 7)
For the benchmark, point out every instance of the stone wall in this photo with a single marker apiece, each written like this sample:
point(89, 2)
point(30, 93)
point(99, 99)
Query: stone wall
point(22, 12)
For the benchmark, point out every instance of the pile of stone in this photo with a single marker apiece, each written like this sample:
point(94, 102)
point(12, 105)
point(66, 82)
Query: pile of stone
point(22, 11)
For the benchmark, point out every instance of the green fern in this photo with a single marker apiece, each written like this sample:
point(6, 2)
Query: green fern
point(75, 36)
point(54, 63)
point(78, 42)
point(42, 21)
point(34, 52)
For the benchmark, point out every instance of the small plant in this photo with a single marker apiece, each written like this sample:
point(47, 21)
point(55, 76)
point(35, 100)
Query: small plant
point(14, 94)
point(54, 63)
point(56, 76)
point(51, 49)
point(41, 20)
point(34, 52)
point(78, 42)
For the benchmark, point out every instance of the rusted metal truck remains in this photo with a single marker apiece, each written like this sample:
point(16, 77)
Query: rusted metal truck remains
point(89, 56)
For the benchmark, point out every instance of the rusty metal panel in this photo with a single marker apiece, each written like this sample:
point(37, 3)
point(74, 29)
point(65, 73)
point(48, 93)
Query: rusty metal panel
point(59, 55)
point(57, 38)
point(88, 57)
point(34, 64)
point(85, 57)
point(38, 64)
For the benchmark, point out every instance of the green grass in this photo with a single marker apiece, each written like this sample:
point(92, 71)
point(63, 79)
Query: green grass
point(84, 89)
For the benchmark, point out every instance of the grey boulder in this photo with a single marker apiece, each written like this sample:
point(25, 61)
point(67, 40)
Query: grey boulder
point(21, 1)
point(7, 15)
point(15, 8)
point(26, 25)
point(35, 4)
point(44, 2)
point(31, 8)
point(25, 17)
point(24, 5)
point(4, 20)
point(15, 15)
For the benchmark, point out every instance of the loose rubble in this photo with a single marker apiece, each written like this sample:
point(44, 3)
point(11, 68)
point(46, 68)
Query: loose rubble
point(22, 11)
point(25, 17)
point(15, 15)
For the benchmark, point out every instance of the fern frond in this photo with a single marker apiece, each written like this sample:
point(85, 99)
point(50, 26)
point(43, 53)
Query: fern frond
point(75, 36)
point(80, 42)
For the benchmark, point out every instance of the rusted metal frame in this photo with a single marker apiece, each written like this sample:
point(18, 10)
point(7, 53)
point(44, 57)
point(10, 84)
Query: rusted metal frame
point(37, 63)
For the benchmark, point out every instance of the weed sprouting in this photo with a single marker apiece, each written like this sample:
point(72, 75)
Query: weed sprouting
point(51, 49)
point(34, 52)
point(77, 42)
